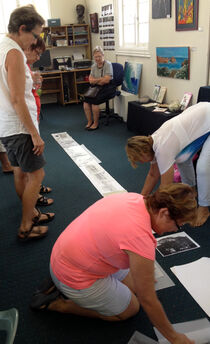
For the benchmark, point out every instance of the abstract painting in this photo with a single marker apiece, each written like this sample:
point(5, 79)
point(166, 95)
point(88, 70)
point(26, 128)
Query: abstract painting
point(173, 62)
point(132, 77)
point(186, 15)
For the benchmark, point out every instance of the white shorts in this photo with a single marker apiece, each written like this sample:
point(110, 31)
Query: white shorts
point(108, 296)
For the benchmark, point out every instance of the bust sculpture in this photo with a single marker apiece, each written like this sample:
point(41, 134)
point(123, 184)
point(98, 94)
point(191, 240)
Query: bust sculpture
point(80, 9)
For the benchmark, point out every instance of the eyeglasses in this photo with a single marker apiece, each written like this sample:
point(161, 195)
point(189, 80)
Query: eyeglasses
point(35, 35)
point(38, 53)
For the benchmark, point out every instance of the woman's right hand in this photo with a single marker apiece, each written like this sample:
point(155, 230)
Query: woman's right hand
point(182, 339)
point(38, 144)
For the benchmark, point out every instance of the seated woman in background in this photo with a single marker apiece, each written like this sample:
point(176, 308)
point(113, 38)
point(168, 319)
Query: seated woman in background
point(101, 74)
point(103, 262)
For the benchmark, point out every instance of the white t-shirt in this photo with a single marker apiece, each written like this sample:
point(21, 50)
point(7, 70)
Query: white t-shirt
point(177, 133)
point(10, 123)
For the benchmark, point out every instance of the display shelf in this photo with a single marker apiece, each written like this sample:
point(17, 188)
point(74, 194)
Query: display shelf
point(73, 35)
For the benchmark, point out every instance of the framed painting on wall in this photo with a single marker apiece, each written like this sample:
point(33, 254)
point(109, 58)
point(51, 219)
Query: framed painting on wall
point(186, 15)
point(173, 62)
point(161, 9)
point(94, 22)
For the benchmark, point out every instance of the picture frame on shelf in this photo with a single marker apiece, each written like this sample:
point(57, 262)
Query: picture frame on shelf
point(186, 15)
point(155, 92)
point(161, 94)
point(185, 102)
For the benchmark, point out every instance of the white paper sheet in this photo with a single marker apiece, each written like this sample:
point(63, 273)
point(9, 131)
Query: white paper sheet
point(162, 279)
point(139, 338)
point(89, 165)
point(197, 330)
point(101, 179)
point(195, 277)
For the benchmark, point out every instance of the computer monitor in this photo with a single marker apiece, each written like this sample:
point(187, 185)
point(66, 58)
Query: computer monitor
point(44, 61)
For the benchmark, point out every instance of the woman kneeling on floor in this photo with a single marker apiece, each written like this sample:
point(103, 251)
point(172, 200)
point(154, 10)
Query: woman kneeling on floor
point(103, 262)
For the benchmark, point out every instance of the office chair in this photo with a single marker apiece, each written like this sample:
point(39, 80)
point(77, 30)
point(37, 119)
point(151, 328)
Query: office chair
point(118, 74)
point(8, 323)
point(204, 94)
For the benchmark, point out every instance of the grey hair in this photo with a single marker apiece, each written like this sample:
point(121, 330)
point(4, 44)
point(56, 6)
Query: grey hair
point(98, 49)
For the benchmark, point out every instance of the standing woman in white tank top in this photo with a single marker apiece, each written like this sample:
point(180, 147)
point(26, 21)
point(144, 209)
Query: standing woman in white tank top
point(18, 117)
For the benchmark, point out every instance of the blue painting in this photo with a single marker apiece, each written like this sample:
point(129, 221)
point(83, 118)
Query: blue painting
point(173, 62)
point(132, 77)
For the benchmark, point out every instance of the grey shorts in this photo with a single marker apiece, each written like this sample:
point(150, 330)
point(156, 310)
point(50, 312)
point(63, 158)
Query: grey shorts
point(20, 152)
point(108, 296)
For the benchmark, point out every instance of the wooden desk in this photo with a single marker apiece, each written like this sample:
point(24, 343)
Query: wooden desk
point(143, 121)
point(67, 86)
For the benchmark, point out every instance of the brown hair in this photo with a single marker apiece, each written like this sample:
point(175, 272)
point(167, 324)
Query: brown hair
point(40, 44)
point(137, 145)
point(178, 198)
point(25, 15)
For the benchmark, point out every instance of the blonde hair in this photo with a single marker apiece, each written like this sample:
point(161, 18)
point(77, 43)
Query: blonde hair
point(98, 49)
point(137, 145)
point(178, 198)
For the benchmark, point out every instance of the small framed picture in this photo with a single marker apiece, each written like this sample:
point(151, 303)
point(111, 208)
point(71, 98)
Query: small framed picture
point(187, 15)
point(161, 94)
point(155, 92)
point(185, 102)
point(94, 22)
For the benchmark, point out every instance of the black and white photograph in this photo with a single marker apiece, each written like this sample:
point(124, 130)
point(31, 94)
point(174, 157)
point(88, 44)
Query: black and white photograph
point(161, 9)
point(175, 243)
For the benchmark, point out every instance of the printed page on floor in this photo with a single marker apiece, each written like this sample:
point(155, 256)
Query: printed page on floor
point(197, 330)
point(195, 277)
point(162, 279)
point(139, 338)
point(175, 243)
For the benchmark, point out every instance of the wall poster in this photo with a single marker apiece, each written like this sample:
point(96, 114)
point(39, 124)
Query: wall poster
point(106, 27)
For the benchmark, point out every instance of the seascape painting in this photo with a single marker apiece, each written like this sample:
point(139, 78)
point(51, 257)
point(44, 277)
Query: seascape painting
point(173, 62)
point(132, 77)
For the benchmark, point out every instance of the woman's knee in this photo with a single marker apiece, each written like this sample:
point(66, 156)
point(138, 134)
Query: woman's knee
point(95, 108)
point(37, 175)
point(131, 310)
point(86, 106)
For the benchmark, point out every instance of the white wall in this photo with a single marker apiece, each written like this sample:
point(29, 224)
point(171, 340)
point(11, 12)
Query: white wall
point(66, 10)
point(162, 33)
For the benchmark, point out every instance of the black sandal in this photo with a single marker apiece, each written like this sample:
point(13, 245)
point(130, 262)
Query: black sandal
point(45, 189)
point(46, 287)
point(42, 200)
point(41, 302)
point(38, 221)
point(26, 234)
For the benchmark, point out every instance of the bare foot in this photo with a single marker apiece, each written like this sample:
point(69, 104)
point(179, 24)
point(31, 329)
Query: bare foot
point(202, 216)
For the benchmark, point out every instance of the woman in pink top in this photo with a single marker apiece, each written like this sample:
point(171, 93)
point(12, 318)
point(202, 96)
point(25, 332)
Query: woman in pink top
point(103, 262)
